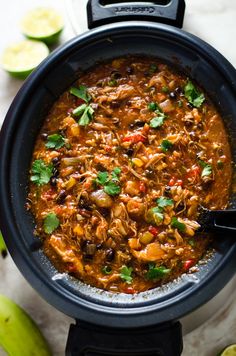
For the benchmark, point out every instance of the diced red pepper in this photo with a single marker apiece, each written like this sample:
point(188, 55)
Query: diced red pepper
point(108, 148)
point(135, 138)
point(142, 187)
point(188, 264)
point(153, 230)
point(177, 182)
point(194, 172)
point(71, 268)
point(129, 290)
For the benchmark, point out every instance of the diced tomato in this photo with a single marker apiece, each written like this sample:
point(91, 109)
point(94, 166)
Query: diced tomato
point(188, 264)
point(108, 148)
point(49, 195)
point(135, 138)
point(142, 187)
point(153, 230)
point(129, 290)
point(71, 267)
point(173, 181)
point(194, 172)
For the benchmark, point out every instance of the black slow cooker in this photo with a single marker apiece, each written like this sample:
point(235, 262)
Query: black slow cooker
point(109, 323)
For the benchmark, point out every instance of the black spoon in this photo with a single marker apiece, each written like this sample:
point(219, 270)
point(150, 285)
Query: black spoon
point(217, 220)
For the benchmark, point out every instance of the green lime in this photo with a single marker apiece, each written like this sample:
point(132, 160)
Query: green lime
point(229, 351)
point(21, 58)
point(42, 24)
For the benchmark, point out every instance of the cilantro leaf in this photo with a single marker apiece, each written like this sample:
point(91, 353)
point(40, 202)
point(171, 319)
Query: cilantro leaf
point(157, 121)
point(79, 110)
point(55, 141)
point(86, 117)
point(152, 68)
point(207, 170)
point(125, 274)
point(166, 145)
point(50, 223)
point(193, 95)
point(155, 272)
point(102, 178)
point(111, 188)
point(81, 93)
point(116, 173)
point(162, 202)
point(152, 106)
point(106, 270)
point(175, 223)
point(155, 215)
point(41, 172)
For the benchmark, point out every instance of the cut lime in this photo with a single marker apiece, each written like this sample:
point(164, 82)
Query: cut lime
point(229, 351)
point(42, 24)
point(21, 58)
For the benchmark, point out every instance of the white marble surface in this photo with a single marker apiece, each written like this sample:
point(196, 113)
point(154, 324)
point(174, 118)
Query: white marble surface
point(213, 21)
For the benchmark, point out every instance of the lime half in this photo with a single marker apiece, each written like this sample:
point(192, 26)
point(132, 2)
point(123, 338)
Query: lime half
point(42, 24)
point(229, 351)
point(21, 58)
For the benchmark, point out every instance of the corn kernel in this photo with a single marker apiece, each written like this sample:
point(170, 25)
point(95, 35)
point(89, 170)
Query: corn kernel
point(78, 230)
point(74, 130)
point(146, 238)
point(70, 183)
point(137, 161)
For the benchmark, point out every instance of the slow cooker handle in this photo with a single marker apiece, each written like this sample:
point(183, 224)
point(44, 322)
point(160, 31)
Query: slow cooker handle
point(86, 339)
point(101, 12)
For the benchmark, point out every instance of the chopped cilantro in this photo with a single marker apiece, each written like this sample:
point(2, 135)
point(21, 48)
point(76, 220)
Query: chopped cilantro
point(41, 172)
point(81, 93)
point(102, 178)
point(111, 188)
point(191, 242)
point(175, 223)
point(110, 185)
point(152, 106)
point(166, 145)
point(207, 170)
point(116, 173)
point(220, 164)
point(50, 223)
point(155, 272)
point(55, 141)
point(152, 68)
point(157, 121)
point(155, 215)
point(125, 274)
point(162, 202)
point(79, 110)
point(87, 116)
point(112, 83)
point(106, 270)
point(193, 96)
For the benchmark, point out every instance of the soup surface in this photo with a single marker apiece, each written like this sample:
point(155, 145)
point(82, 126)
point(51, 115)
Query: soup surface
point(123, 162)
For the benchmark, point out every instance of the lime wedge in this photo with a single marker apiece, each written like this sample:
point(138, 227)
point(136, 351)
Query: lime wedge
point(42, 24)
point(21, 58)
point(229, 351)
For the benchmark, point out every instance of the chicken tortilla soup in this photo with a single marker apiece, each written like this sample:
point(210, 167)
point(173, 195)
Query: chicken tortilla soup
point(124, 160)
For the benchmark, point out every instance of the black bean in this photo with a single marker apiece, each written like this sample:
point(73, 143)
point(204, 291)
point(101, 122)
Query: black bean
point(84, 204)
point(44, 136)
point(105, 212)
point(114, 104)
point(130, 152)
point(178, 90)
point(172, 95)
point(129, 70)
point(189, 105)
point(115, 74)
point(99, 246)
point(53, 181)
point(149, 173)
point(110, 254)
point(137, 123)
point(55, 172)
point(61, 197)
point(167, 189)
point(56, 161)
